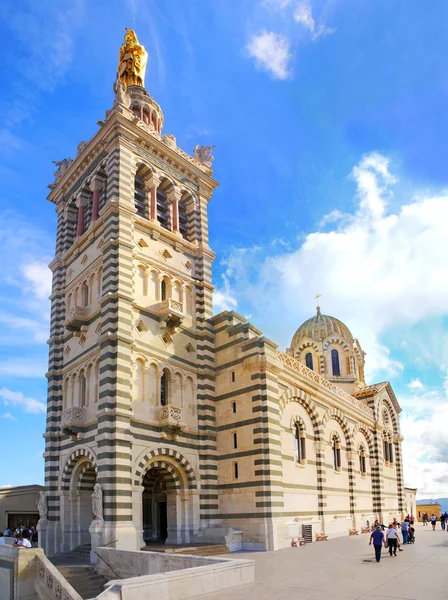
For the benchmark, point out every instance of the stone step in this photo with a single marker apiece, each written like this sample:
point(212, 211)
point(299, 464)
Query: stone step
point(84, 579)
point(210, 550)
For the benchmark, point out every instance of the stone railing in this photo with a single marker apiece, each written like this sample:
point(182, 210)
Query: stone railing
point(171, 416)
point(73, 418)
point(170, 304)
point(293, 363)
point(76, 317)
point(50, 584)
point(171, 312)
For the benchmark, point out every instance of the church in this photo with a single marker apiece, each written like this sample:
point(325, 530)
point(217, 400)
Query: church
point(167, 423)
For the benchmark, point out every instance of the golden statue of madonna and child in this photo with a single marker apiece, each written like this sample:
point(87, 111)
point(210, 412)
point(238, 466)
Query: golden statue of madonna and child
point(132, 61)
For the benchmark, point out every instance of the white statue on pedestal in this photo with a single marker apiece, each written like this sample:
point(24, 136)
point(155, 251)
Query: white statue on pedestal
point(97, 502)
point(42, 505)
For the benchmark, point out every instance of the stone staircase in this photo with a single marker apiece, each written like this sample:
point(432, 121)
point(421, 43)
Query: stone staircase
point(76, 568)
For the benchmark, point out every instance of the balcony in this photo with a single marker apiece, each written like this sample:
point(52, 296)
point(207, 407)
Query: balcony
point(171, 418)
point(76, 318)
point(171, 313)
point(73, 419)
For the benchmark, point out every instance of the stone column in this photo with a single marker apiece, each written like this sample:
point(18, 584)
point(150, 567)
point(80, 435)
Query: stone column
point(151, 186)
point(174, 198)
point(81, 203)
point(96, 186)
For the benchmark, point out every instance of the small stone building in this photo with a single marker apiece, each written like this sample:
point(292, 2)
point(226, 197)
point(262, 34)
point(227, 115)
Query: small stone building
point(18, 506)
point(196, 427)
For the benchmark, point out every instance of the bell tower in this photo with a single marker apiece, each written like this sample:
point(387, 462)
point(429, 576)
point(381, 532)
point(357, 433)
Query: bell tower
point(131, 358)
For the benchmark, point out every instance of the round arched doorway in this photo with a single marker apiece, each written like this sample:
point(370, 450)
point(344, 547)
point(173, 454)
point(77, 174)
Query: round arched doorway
point(159, 494)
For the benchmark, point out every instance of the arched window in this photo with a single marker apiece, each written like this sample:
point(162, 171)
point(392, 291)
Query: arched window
point(164, 289)
point(335, 363)
point(362, 460)
point(164, 388)
point(82, 389)
point(299, 444)
point(140, 201)
point(84, 294)
point(387, 449)
point(309, 360)
point(336, 447)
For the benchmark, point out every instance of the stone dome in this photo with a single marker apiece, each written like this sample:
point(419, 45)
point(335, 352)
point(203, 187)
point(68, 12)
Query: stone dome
point(319, 328)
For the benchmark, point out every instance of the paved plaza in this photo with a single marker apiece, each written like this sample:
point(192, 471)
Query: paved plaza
point(345, 569)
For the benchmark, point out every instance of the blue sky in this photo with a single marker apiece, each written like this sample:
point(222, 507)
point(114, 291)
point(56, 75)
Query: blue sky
point(331, 132)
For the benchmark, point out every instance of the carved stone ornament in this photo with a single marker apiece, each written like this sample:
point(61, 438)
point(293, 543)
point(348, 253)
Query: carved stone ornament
point(170, 140)
point(81, 147)
point(122, 97)
point(63, 166)
point(203, 154)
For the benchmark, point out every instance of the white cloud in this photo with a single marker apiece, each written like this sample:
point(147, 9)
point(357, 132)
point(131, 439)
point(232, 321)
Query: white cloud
point(30, 405)
point(271, 52)
point(376, 269)
point(223, 299)
point(425, 447)
point(304, 16)
point(39, 276)
point(416, 384)
point(8, 415)
point(4, 487)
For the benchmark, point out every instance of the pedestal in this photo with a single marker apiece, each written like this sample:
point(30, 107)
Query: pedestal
point(96, 530)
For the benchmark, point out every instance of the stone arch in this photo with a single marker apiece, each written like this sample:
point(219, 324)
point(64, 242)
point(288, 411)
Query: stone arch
point(305, 346)
point(362, 428)
point(86, 476)
point(299, 396)
point(170, 457)
point(385, 402)
point(176, 480)
point(345, 347)
point(336, 415)
point(72, 460)
point(296, 420)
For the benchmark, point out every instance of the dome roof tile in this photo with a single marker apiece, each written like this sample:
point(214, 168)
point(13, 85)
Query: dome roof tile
point(319, 328)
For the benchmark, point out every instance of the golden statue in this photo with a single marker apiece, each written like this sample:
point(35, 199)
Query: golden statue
point(132, 61)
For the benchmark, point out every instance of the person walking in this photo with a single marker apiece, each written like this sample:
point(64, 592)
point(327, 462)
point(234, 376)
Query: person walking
point(392, 539)
point(377, 537)
point(405, 530)
point(433, 521)
point(425, 519)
